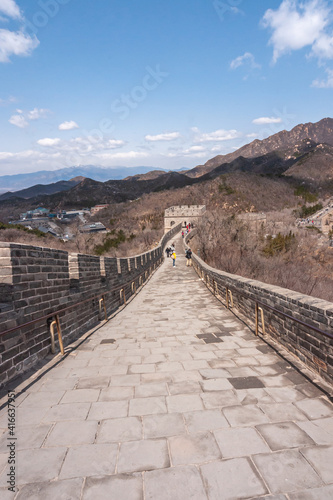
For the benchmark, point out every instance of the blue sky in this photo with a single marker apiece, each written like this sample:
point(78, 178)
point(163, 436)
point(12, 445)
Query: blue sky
point(162, 84)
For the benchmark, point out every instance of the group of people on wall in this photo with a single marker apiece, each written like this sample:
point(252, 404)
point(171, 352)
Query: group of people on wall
point(171, 252)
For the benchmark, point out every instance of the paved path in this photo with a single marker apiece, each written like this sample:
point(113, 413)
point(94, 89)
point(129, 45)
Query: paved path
point(185, 404)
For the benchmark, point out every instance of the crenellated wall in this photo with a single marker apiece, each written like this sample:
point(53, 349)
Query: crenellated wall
point(36, 282)
point(311, 347)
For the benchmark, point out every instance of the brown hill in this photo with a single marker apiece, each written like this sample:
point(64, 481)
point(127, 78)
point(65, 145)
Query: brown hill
point(320, 132)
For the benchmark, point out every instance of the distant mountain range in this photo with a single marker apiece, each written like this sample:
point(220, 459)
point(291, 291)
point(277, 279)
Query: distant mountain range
point(319, 132)
point(23, 181)
point(303, 155)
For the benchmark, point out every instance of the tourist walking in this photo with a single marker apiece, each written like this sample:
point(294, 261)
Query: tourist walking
point(174, 256)
point(188, 255)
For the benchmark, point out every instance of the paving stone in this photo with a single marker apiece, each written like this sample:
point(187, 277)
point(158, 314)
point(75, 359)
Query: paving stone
point(184, 387)
point(315, 408)
point(195, 448)
point(143, 455)
point(147, 406)
point(282, 412)
point(75, 411)
point(67, 489)
point(125, 380)
point(181, 403)
point(149, 368)
point(169, 424)
point(195, 364)
point(232, 479)
point(176, 483)
point(93, 383)
point(28, 437)
point(72, 433)
point(90, 460)
point(319, 435)
point(284, 435)
point(120, 487)
point(214, 373)
point(219, 399)
point(146, 390)
point(219, 384)
point(325, 423)
point(284, 394)
point(286, 471)
point(42, 399)
point(323, 493)
point(81, 396)
point(59, 385)
point(118, 430)
point(276, 381)
point(37, 465)
point(201, 421)
point(108, 409)
point(221, 363)
point(116, 393)
point(321, 459)
point(240, 442)
point(244, 415)
point(254, 396)
point(246, 383)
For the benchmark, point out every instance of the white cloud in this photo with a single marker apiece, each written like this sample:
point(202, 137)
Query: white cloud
point(18, 121)
point(251, 135)
point(10, 9)
point(265, 120)
point(171, 136)
point(71, 125)
point(296, 25)
point(16, 43)
point(48, 142)
point(36, 113)
point(247, 59)
point(9, 100)
point(218, 135)
point(123, 156)
point(324, 84)
point(23, 118)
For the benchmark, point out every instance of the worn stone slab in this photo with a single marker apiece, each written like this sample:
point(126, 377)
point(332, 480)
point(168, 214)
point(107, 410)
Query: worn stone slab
point(184, 402)
point(284, 435)
point(147, 390)
point(74, 411)
point(286, 471)
point(232, 479)
point(93, 383)
point(158, 426)
point(187, 387)
point(108, 409)
point(218, 384)
point(323, 493)
point(67, 489)
point(147, 406)
point(282, 412)
point(89, 460)
point(42, 399)
point(244, 415)
point(81, 396)
point(219, 399)
point(318, 434)
point(118, 430)
point(72, 433)
point(321, 459)
point(193, 449)
point(36, 466)
point(240, 442)
point(116, 393)
point(315, 408)
point(143, 455)
point(119, 487)
point(176, 483)
point(206, 420)
point(29, 437)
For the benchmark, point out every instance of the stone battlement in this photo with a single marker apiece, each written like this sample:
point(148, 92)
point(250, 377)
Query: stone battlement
point(36, 282)
point(182, 214)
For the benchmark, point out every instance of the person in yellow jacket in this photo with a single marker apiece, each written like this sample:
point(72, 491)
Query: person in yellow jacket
point(174, 256)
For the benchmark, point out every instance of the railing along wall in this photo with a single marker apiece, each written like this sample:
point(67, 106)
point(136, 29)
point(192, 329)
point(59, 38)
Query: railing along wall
point(301, 323)
point(49, 298)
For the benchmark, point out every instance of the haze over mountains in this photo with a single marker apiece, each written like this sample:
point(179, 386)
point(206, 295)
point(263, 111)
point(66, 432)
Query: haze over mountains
point(304, 154)
point(23, 181)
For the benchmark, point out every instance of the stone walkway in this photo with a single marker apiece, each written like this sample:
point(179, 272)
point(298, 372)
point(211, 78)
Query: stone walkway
point(186, 404)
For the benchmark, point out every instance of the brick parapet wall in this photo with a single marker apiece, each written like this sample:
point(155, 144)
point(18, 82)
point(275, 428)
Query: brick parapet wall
point(37, 281)
point(311, 347)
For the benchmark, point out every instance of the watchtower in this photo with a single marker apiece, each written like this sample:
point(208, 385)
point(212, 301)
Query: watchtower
point(184, 214)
